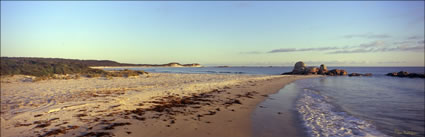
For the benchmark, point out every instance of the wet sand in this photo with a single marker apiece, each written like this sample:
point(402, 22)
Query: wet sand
point(155, 105)
point(277, 115)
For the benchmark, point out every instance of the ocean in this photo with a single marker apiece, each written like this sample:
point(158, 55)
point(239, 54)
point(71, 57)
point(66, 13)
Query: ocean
point(342, 106)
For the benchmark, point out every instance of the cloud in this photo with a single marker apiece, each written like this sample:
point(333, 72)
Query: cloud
point(372, 44)
point(381, 49)
point(403, 42)
point(415, 37)
point(334, 62)
point(368, 36)
point(350, 51)
point(391, 62)
point(303, 49)
point(375, 46)
point(407, 48)
point(283, 50)
point(344, 62)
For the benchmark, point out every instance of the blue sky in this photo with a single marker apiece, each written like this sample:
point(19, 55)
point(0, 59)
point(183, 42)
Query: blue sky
point(348, 33)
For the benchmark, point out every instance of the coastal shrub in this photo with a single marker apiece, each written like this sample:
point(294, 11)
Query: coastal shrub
point(43, 68)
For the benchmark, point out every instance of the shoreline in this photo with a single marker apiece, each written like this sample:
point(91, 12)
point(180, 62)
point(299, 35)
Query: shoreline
point(193, 105)
point(277, 115)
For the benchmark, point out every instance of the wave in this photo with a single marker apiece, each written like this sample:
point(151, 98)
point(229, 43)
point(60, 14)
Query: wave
point(321, 119)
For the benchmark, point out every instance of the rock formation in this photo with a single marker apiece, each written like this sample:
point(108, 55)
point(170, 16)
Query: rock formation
point(301, 69)
point(323, 69)
point(311, 70)
point(406, 74)
point(337, 72)
point(358, 74)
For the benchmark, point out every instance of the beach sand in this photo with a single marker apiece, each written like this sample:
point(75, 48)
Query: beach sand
point(157, 104)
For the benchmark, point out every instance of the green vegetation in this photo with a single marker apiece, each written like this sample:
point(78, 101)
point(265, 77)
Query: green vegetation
point(39, 68)
point(45, 68)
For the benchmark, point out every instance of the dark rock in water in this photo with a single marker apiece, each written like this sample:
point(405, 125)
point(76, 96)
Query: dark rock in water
point(355, 74)
point(343, 72)
point(367, 74)
point(323, 69)
point(399, 74)
point(416, 75)
point(358, 74)
point(392, 74)
point(337, 72)
point(403, 74)
point(299, 68)
point(406, 74)
point(311, 70)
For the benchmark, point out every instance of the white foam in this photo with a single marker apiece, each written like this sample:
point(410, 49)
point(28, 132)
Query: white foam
point(320, 120)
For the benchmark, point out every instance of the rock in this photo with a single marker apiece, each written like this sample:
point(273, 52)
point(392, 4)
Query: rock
point(336, 72)
point(354, 74)
point(343, 72)
point(392, 74)
point(406, 74)
point(402, 74)
point(367, 74)
point(299, 68)
point(415, 75)
point(333, 72)
point(311, 70)
point(358, 74)
point(323, 69)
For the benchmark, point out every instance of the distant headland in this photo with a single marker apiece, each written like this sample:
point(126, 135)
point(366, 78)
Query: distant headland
point(99, 63)
point(172, 64)
point(50, 66)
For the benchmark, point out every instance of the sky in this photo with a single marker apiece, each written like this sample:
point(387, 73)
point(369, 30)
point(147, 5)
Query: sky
point(248, 33)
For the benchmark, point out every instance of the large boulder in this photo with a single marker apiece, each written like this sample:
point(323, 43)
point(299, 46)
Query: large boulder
point(311, 70)
point(392, 74)
point(406, 74)
point(358, 74)
point(402, 74)
point(299, 68)
point(416, 75)
point(336, 72)
point(323, 69)
point(343, 72)
point(355, 74)
point(333, 72)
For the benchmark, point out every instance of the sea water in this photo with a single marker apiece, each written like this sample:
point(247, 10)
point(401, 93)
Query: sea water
point(362, 106)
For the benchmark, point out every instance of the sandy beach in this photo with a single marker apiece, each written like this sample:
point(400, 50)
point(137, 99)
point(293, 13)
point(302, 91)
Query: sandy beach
point(157, 104)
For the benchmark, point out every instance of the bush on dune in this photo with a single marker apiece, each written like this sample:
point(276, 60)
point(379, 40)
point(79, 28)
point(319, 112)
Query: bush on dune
point(51, 69)
point(39, 68)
